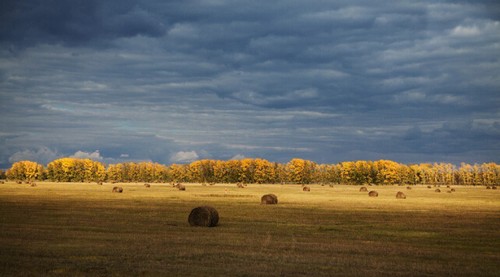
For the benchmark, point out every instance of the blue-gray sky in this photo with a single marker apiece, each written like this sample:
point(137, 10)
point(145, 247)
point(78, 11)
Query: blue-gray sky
point(174, 81)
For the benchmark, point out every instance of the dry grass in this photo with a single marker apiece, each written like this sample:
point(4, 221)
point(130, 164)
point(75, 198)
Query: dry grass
point(83, 230)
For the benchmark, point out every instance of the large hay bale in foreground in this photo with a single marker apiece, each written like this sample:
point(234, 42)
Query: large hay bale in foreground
point(400, 195)
point(306, 188)
point(117, 189)
point(269, 199)
point(204, 216)
point(363, 189)
point(373, 193)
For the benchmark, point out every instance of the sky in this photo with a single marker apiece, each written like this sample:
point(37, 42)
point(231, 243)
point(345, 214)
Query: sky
point(176, 81)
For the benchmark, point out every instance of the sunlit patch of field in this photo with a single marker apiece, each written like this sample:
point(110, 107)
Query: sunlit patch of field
point(83, 229)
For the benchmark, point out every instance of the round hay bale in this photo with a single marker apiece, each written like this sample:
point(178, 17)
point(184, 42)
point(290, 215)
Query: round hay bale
point(363, 189)
point(204, 216)
point(306, 188)
point(117, 189)
point(452, 190)
point(269, 199)
point(400, 195)
point(488, 187)
point(240, 185)
point(408, 188)
point(437, 190)
point(373, 193)
point(494, 187)
point(33, 184)
point(429, 187)
point(147, 185)
point(181, 187)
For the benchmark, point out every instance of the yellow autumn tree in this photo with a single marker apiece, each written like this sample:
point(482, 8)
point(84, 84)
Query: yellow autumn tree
point(387, 172)
point(264, 171)
point(300, 171)
point(25, 170)
point(347, 172)
point(179, 172)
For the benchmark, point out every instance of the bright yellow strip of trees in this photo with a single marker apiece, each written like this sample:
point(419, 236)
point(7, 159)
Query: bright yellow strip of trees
point(297, 171)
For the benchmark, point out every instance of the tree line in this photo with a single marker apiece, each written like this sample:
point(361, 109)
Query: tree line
point(260, 171)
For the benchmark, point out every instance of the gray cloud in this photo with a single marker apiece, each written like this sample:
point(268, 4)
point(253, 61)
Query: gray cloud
point(327, 81)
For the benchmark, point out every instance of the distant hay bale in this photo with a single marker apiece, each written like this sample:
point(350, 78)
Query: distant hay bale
point(117, 189)
point(429, 187)
point(452, 190)
point(19, 182)
point(240, 185)
point(494, 187)
point(363, 189)
point(269, 199)
point(400, 195)
point(99, 183)
point(408, 188)
point(373, 193)
point(331, 185)
point(2, 182)
point(33, 184)
point(211, 183)
point(147, 185)
point(181, 187)
point(488, 187)
point(447, 186)
point(203, 216)
point(306, 188)
point(437, 190)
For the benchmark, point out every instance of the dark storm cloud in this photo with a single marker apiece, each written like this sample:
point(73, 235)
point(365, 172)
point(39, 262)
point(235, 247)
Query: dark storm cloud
point(75, 22)
point(325, 80)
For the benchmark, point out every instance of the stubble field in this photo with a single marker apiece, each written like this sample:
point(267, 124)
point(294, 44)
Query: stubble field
point(81, 229)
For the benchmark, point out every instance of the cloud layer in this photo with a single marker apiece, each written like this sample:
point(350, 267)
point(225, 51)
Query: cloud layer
point(324, 81)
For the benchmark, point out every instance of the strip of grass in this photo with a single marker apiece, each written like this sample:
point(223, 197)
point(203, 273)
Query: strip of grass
point(84, 229)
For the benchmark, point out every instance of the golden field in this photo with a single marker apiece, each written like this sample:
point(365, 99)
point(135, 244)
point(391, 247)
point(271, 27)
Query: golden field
point(83, 229)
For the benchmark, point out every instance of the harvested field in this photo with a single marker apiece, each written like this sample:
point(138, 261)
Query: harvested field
point(84, 230)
